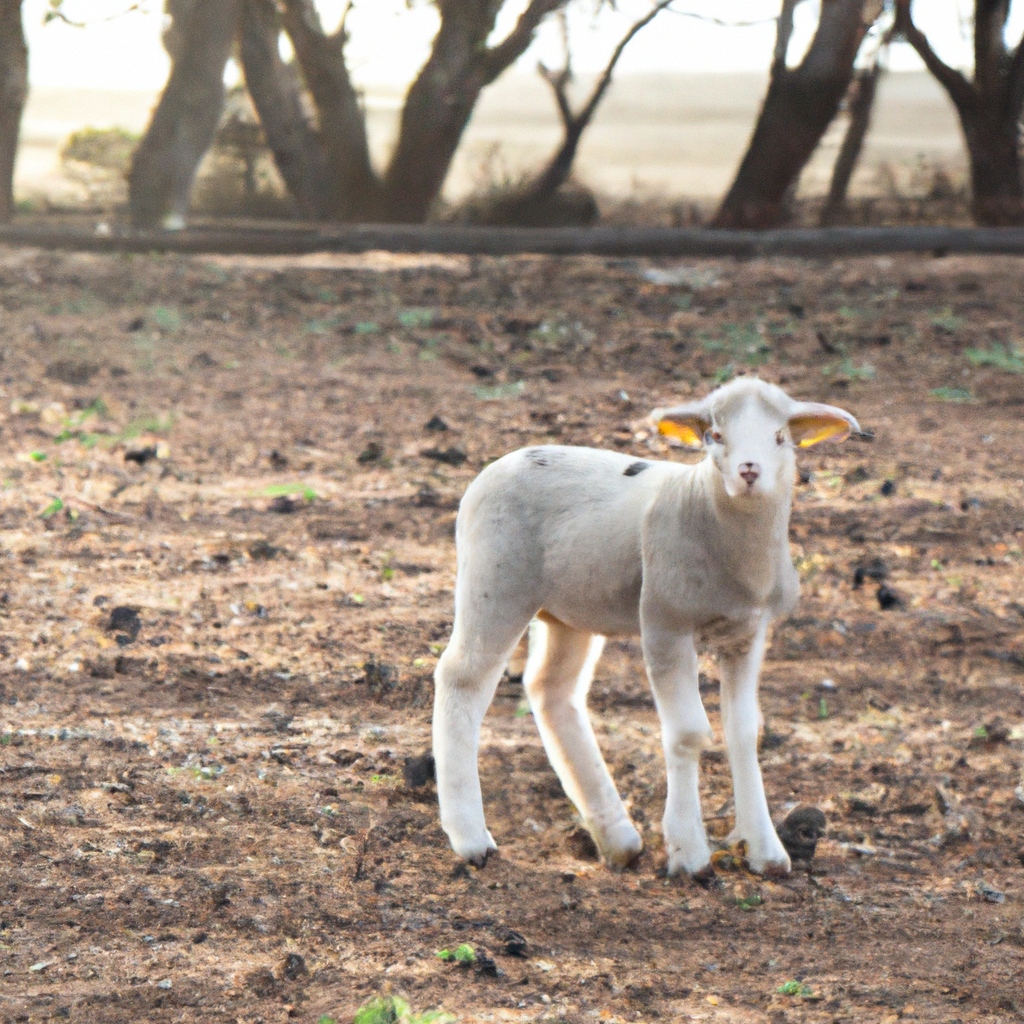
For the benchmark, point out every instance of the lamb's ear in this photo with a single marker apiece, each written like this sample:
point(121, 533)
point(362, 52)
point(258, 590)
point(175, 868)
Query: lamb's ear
point(685, 423)
point(811, 422)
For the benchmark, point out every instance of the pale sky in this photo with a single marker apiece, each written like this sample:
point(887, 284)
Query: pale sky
point(120, 48)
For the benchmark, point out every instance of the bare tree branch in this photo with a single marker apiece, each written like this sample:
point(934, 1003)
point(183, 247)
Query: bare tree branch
point(497, 58)
point(783, 34)
point(960, 90)
point(557, 172)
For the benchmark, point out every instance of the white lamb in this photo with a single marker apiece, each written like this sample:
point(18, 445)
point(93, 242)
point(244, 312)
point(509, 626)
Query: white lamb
point(590, 544)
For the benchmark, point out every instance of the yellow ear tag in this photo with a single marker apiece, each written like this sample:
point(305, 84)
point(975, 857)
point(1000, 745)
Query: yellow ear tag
point(684, 432)
point(814, 429)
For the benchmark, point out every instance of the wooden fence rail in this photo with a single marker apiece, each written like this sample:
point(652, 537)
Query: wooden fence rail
point(601, 241)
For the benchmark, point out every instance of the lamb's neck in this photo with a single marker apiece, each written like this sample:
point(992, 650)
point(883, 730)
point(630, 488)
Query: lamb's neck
point(753, 535)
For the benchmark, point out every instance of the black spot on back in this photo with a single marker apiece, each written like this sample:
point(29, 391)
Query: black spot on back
point(635, 468)
point(538, 457)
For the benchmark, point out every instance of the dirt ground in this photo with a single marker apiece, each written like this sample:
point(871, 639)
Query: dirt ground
point(226, 572)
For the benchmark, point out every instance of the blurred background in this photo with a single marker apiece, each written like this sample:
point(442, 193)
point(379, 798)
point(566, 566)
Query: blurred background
point(744, 113)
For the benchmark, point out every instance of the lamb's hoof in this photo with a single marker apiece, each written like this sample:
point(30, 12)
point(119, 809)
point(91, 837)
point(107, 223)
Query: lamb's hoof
point(620, 847)
point(775, 868)
point(480, 860)
point(476, 853)
point(698, 868)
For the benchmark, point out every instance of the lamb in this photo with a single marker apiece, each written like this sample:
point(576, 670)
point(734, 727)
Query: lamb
point(581, 544)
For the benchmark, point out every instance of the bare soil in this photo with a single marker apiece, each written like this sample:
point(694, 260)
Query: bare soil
point(226, 571)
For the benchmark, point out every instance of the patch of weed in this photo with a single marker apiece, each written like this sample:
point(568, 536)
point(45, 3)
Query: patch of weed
point(1008, 359)
point(952, 394)
point(947, 321)
point(464, 954)
point(847, 370)
point(416, 317)
point(500, 391)
point(276, 490)
point(395, 1010)
point(743, 342)
point(166, 319)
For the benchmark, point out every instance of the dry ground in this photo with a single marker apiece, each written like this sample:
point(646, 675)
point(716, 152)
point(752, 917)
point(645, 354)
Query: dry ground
point(205, 814)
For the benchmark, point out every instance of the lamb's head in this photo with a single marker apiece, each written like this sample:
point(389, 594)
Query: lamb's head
point(750, 430)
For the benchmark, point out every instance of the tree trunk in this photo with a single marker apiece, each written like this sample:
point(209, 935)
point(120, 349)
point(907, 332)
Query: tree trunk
point(437, 109)
point(441, 100)
point(276, 93)
point(798, 107)
point(989, 109)
point(13, 92)
point(861, 105)
point(997, 193)
point(355, 189)
point(186, 117)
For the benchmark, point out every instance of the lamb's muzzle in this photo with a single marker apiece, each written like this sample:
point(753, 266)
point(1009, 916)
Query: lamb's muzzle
point(589, 544)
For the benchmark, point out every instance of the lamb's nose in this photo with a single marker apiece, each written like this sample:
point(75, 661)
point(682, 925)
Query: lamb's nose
point(750, 471)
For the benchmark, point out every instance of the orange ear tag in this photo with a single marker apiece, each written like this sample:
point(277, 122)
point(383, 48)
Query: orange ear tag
point(816, 429)
point(684, 432)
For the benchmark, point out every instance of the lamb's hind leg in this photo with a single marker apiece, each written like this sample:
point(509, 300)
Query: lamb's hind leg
point(558, 674)
point(464, 683)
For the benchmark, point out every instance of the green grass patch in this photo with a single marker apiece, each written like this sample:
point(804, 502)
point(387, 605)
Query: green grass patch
point(52, 509)
point(498, 392)
point(416, 317)
point(952, 394)
point(276, 490)
point(1006, 358)
point(395, 1010)
point(947, 321)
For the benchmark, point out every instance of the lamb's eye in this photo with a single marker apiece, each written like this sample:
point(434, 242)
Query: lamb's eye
point(712, 437)
point(780, 437)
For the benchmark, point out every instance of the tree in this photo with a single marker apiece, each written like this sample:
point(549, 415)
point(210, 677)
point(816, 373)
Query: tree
point(327, 168)
point(798, 107)
point(186, 117)
point(13, 92)
point(537, 203)
point(989, 108)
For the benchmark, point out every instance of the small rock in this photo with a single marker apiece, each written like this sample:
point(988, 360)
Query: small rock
point(888, 489)
point(166, 983)
point(875, 569)
point(125, 621)
point(277, 460)
point(140, 456)
point(514, 942)
point(343, 758)
point(427, 497)
point(373, 452)
point(801, 830)
point(418, 771)
point(263, 551)
point(485, 965)
point(71, 371)
point(261, 983)
point(453, 456)
point(295, 967)
point(988, 893)
point(888, 598)
point(379, 676)
point(283, 505)
point(435, 423)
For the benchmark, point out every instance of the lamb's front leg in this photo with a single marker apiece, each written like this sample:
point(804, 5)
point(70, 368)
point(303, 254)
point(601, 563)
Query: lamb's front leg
point(741, 719)
point(685, 731)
